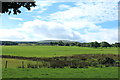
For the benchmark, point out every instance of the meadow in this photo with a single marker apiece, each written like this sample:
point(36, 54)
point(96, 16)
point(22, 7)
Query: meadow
point(109, 72)
point(59, 56)
point(92, 72)
point(51, 51)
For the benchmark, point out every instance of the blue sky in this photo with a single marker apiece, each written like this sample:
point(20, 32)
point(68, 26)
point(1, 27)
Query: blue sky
point(78, 20)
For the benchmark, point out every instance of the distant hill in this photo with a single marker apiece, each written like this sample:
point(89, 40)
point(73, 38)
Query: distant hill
point(48, 41)
point(42, 42)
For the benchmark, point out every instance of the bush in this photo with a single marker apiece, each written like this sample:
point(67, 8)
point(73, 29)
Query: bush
point(108, 60)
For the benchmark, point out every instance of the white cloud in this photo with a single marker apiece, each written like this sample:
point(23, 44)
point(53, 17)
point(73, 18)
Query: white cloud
point(109, 35)
point(11, 34)
point(64, 7)
point(69, 24)
point(14, 18)
point(42, 5)
point(84, 17)
point(50, 30)
point(41, 30)
point(59, 0)
point(96, 12)
point(79, 0)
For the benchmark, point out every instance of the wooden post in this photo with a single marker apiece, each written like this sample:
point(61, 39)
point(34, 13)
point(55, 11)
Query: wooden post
point(22, 64)
point(6, 64)
point(36, 64)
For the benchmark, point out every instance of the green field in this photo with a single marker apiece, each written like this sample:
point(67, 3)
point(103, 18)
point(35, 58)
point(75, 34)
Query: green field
point(109, 72)
point(15, 63)
point(12, 70)
point(51, 51)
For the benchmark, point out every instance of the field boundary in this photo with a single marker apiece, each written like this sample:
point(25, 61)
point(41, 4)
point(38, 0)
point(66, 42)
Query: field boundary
point(50, 58)
point(75, 61)
point(60, 79)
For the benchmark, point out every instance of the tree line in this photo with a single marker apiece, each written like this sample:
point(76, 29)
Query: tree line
point(90, 44)
point(62, 43)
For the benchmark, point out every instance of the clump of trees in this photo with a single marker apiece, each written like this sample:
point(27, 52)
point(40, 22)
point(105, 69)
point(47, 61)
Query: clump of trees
point(90, 44)
point(62, 43)
point(8, 43)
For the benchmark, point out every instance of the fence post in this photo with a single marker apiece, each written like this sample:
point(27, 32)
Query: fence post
point(37, 64)
point(6, 64)
point(22, 64)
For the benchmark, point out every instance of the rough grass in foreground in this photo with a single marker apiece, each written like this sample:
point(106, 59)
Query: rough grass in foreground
point(109, 72)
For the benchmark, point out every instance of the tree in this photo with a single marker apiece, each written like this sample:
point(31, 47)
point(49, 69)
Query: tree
point(96, 44)
point(67, 44)
point(9, 43)
point(105, 44)
point(72, 43)
point(87, 45)
point(116, 45)
point(51, 43)
point(8, 7)
point(91, 44)
point(108, 60)
point(60, 43)
point(79, 44)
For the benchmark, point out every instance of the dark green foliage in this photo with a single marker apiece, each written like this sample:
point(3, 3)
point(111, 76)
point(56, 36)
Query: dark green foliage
point(105, 44)
point(67, 44)
point(94, 44)
point(73, 44)
point(63, 43)
point(83, 45)
point(91, 44)
point(77, 61)
point(9, 43)
point(83, 64)
point(9, 7)
point(60, 43)
point(33, 66)
point(79, 44)
point(57, 64)
point(108, 60)
point(53, 43)
point(116, 45)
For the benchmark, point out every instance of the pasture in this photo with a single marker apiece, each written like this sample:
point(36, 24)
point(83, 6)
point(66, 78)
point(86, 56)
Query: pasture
point(85, 62)
point(15, 63)
point(109, 72)
point(52, 51)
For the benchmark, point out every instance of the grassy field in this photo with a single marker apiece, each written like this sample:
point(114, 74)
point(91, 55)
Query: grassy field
point(13, 72)
point(51, 51)
point(109, 72)
point(15, 63)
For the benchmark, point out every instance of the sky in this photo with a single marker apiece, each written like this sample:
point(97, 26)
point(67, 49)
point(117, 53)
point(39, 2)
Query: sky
point(75, 20)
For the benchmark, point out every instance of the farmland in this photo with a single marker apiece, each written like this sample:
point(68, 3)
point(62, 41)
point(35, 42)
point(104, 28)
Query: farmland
point(65, 61)
point(110, 72)
point(51, 51)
